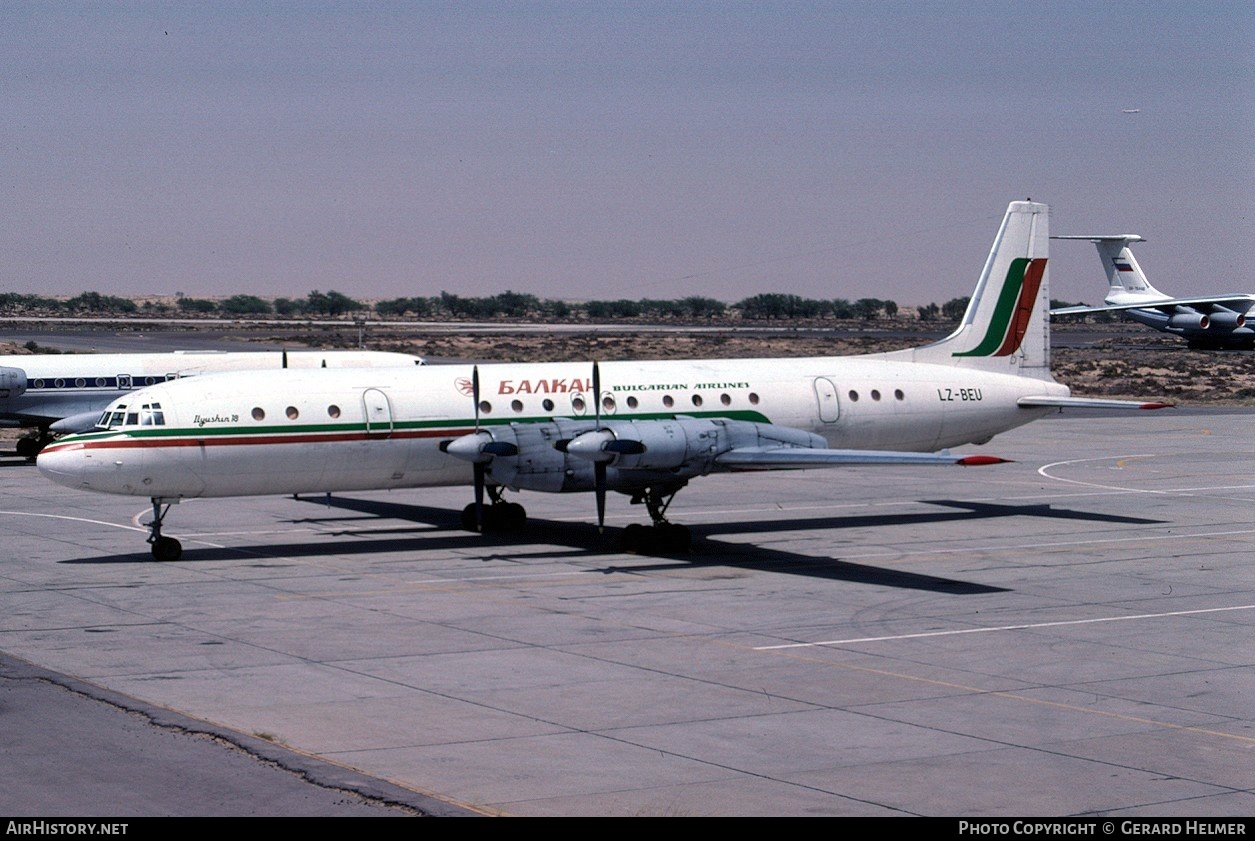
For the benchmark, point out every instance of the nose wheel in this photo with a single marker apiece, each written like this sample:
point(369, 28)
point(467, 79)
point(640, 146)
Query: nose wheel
point(163, 548)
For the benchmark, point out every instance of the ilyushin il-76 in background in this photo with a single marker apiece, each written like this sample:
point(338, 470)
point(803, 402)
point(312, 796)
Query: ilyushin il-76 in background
point(1205, 321)
point(66, 392)
point(644, 429)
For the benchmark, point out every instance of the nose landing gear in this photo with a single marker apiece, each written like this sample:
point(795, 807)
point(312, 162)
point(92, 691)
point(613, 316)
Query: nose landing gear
point(164, 548)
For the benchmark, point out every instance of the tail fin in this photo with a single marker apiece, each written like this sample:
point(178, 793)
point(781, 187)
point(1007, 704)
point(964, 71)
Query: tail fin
point(1006, 327)
point(1125, 277)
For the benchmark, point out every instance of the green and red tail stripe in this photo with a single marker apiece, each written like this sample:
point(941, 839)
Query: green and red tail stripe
point(1014, 309)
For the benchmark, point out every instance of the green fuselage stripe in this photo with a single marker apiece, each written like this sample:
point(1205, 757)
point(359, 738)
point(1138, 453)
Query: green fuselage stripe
point(453, 426)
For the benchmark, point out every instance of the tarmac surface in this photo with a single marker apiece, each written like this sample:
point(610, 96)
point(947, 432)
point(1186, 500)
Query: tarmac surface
point(1071, 634)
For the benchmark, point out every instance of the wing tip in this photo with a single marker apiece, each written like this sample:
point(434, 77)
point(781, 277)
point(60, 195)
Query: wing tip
point(981, 461)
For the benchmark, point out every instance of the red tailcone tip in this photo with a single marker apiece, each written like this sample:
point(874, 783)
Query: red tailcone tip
point(1158, 406)
point(980, 461)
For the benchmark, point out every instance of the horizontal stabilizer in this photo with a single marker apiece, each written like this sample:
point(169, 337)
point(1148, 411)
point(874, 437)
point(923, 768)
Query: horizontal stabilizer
point(1090, 403)
point(777, 458)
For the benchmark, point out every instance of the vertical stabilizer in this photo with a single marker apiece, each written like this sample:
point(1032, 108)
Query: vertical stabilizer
point(1006, 327)
point(1126, 281)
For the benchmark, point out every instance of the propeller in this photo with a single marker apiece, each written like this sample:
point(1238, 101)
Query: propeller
point(479, 447)
point(478, 467)
point(599, 467)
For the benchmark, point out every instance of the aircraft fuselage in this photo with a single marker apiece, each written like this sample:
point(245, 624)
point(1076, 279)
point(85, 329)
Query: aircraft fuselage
point(326, 430)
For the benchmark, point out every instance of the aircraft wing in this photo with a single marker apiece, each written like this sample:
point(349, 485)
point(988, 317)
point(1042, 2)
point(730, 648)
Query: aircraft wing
point(1236, 302)
point(1090, 403)
point(778, 458)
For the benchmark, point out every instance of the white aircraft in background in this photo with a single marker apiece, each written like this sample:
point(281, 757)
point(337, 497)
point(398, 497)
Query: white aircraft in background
point(1207, 321)
point(59, 393)
point(640, 428)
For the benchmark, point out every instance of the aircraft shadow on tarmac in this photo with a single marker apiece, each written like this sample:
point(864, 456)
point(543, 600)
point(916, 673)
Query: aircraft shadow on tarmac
point(441, 529)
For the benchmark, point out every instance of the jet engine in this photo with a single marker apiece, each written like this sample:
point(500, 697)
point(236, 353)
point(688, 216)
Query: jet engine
point(1227, 319)
point(1187, 319)
point(12, 382)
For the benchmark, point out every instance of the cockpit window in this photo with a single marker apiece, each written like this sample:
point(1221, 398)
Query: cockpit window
point(112, 418)
point(118, 417)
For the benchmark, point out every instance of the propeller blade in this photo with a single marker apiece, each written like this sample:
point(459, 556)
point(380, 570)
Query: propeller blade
point(599, 467)
point(479, 496)
point(597, 391)
point(475, 393)
point(478, 466)
point(599, 486)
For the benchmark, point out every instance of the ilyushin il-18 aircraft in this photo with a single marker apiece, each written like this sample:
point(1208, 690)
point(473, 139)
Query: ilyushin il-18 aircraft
point(66, 392)
point(1207, 321)
point(644, 429)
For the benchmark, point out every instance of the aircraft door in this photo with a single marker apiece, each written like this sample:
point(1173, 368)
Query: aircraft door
point(377, 410)
point(124, 382)
point(826, 395)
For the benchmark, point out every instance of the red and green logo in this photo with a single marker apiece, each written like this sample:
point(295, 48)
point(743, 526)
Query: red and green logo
point(1013, 310)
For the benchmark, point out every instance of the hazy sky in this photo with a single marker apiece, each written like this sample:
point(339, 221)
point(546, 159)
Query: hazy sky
point(617, 150)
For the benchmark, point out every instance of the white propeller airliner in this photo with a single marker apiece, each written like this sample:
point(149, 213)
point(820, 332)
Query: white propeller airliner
point(641, 428)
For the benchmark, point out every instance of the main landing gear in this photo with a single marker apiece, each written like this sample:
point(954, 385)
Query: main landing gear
point(498, 515)
point(164, 548)
point(663, 536)
point(31, 446)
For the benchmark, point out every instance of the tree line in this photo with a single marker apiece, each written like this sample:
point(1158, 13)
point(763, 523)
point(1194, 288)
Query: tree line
point(770, 306)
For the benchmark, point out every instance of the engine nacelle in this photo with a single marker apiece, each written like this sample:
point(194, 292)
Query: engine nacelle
point(688, 447)
point(1187, 319)
point(560, 455)
point(12, 382)
point(1227, 319)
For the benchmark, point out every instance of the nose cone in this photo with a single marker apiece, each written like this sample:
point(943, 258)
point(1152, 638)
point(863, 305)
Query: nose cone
point(107, 465)
point(65, 463)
